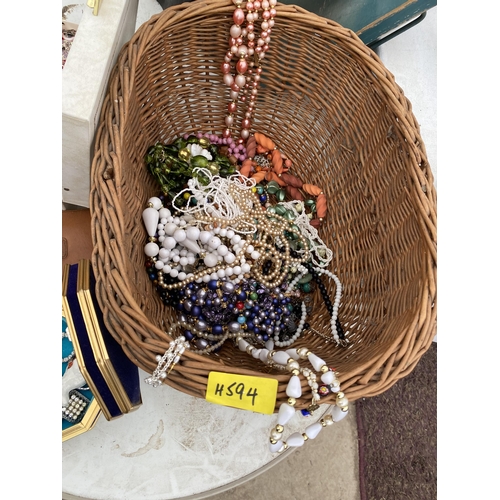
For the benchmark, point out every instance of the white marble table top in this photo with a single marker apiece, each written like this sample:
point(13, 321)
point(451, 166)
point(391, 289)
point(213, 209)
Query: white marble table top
point(173, 446)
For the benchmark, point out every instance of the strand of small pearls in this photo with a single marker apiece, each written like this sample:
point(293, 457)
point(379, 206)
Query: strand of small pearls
point(177, 233)
point(268, 230)
point(227, 191)
point(302, 271)
point(221, 339)
point(169, 359)
point(321, 255)
point(71, 355)
point(336, 303)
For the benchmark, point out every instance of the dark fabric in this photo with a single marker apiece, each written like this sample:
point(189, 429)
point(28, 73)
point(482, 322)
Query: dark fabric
point(397, 433)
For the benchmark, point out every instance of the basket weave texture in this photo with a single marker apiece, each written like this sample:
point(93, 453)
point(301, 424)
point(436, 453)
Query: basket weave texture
point(329, 103)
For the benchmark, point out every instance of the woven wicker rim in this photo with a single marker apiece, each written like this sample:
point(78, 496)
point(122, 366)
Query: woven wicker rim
point(387, 262)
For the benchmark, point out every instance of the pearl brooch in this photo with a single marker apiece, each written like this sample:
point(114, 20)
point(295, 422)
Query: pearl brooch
point(75, 410)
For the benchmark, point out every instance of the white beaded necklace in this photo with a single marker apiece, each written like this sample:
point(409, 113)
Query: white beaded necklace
point(288, 360)
point(282, 360)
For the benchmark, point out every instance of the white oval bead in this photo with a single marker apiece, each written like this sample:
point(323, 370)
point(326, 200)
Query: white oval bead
point(179, 235)
point(210, 260)
point(242, 344)
point(295, 439)
point(205, 236)
point(156, 202)
point(193, 233)
point(170, 228)
point(327, 378)
point(229, 258)
point(222, 250)
point(338, 414)
point(281, 357)
point(313, 430)
point(316, 362)
point(293, 388)
point(285, 413)
point(169, 243)
point(256, 353)
point(164, 213)
point(263, 355)
point(269, 345)
point(214, 242)
point(151, 249)
point(274, 448)
point(293, 353)
point(150, 217)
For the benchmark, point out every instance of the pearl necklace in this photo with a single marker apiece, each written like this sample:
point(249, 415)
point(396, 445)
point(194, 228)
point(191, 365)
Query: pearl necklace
point(71, 355)
point(260, 244)
point(243, 45)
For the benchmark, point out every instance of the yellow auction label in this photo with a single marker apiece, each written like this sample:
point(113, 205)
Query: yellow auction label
point(256, 394)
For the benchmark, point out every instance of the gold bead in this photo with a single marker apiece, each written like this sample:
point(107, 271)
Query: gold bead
point(292, 401)
point(305, 436)
point(328, 420)
point(279, 428)
point(272, 441)
point(296, 372)
point(324, 369)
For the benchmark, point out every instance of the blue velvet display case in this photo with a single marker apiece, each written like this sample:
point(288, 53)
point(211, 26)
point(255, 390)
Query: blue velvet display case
point(113, 380)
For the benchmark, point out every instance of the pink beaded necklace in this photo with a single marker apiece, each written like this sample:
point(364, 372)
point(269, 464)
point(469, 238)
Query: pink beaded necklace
point(243, 77)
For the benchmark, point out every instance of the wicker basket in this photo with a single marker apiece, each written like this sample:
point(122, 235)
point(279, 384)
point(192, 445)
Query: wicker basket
point(331, 105)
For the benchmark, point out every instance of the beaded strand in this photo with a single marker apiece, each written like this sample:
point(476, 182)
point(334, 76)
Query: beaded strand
point(288, 360)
